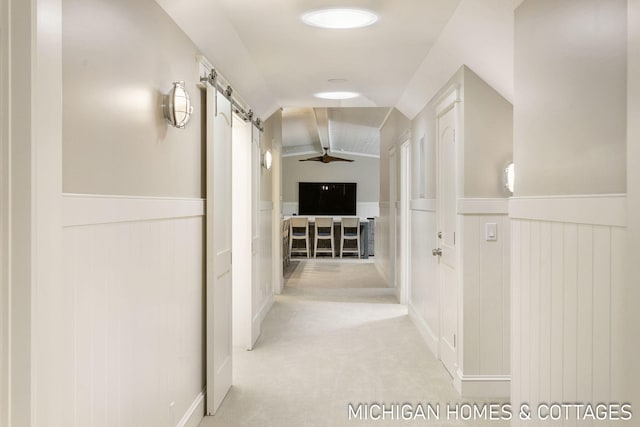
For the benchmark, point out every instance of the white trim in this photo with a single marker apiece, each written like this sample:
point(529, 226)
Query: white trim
point(603, 209)
point(386, 117)
point(195, 413)
point(89, 209)
point(266, 205)
point(483, 206)
point(427, 205)
point(448, 99)
point(482, 386)
point(430, 338)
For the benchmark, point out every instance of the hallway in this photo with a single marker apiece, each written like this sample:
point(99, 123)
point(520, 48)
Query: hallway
point(324, 346)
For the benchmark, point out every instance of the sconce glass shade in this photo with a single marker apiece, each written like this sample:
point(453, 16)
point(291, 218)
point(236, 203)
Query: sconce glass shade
point(509, 177)
point(267, 160)
point(177, 106)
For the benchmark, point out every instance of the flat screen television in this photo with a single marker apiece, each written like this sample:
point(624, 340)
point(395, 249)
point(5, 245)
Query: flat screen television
point(327, 198)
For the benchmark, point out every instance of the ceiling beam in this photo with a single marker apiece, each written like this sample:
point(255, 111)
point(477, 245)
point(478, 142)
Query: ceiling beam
point(322, 123)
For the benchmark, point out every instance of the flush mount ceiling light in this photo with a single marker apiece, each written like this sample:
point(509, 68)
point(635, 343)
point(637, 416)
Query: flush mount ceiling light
point(337, 95)
point(340, 18)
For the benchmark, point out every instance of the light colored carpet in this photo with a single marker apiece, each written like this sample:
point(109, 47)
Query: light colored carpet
point(323, 348)
point(332, 274)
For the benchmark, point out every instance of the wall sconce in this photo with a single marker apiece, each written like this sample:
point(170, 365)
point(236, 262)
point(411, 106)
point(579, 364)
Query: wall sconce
point(177, 106)
point(509, 177)
point(267, 160)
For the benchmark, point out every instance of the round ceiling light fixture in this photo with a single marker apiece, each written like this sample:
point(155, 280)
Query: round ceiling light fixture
point(337, 95)
point(340, 19)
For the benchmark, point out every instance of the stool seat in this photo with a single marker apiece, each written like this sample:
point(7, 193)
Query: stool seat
point(324, 232)
point(299, 230)
point(350, 230)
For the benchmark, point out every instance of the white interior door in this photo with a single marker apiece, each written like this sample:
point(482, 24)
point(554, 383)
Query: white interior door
point(219, 314)
point(447, 239)
point(256, 172)
point(242, 208)
point(405, 222)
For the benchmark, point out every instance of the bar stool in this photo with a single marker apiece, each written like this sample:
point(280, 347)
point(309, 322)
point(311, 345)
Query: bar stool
point(324, 231)
point(299, 230)
point(350, 227)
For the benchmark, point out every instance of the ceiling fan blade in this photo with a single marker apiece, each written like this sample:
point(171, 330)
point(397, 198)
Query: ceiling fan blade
point(313, 159)
point(336, 159)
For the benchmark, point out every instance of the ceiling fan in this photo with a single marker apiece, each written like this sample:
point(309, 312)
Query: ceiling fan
point(325, 158)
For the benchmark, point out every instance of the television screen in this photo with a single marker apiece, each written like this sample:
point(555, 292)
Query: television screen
point(327, 198)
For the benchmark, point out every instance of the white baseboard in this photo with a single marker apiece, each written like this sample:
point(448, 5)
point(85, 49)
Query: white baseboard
point(427, 334)
point(482, 386)
point(195, 413)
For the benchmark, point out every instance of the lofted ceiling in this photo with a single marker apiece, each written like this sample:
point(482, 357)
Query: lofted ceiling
point(274, 61)
point(353, 131)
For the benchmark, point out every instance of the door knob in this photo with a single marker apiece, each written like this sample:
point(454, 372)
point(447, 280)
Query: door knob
point(436, 252)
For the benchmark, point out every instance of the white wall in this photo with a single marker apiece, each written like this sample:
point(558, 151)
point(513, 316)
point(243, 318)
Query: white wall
point(393, 132)
point(570, 97)
point(484, 141)
point(570, 250)
point(116, 140)
point(632, 315)
point(133, 341)
point(365, 171)
point(272, 138)
point(479, 35)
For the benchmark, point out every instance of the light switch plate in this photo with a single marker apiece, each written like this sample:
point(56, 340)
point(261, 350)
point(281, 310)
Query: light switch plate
point(491, 231)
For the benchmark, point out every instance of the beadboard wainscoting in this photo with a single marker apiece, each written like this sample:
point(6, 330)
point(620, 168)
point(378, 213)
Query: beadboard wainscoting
point(134, 273)
point(483, 305)
point(484, 361)
point(568, 272)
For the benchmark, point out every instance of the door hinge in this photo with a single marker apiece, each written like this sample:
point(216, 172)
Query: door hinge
point(454, 340)
point(454, 238)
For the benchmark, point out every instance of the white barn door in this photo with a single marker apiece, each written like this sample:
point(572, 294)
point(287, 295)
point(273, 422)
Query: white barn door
point(219, 307)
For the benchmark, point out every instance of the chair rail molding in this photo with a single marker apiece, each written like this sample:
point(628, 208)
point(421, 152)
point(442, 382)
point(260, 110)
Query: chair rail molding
point(594, 209)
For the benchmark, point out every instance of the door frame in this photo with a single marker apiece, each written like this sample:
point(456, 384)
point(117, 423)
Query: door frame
point(31, 207)
point(405, 221)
